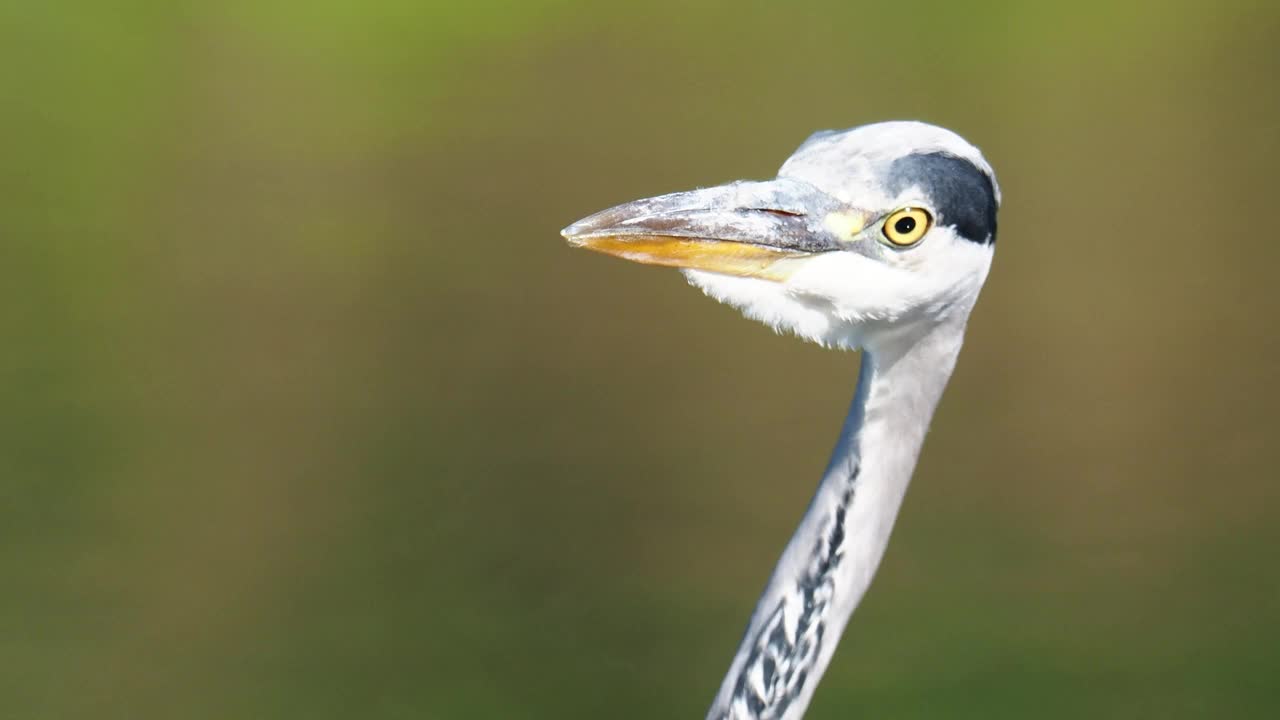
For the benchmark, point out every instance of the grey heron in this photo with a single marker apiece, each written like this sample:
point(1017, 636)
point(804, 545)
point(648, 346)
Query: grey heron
point(877, 239)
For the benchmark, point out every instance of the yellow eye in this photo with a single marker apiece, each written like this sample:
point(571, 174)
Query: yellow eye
point(905, 227)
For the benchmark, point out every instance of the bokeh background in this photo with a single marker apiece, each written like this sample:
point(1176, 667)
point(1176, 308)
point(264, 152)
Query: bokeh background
point(306, 411)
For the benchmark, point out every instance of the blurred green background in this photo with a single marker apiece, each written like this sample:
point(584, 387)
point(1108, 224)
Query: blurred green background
point(308, 411)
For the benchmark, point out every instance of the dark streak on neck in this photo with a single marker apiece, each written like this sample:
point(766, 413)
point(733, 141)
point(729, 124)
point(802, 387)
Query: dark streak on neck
point(784, 664)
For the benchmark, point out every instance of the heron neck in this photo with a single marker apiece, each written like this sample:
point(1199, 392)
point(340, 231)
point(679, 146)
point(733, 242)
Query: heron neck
point(828, 565)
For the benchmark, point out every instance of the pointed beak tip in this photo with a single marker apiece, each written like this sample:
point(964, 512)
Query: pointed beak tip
point(573, 234)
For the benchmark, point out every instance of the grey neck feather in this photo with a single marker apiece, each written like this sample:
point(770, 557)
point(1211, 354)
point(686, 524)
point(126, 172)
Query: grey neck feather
point(829, 562)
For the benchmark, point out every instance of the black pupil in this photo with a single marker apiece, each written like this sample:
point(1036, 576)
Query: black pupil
point(905, 225)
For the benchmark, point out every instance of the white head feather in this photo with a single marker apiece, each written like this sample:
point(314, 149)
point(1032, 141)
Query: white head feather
point(852, 299)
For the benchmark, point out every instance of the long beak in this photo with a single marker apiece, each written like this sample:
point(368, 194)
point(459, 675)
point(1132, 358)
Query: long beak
point(749, 229)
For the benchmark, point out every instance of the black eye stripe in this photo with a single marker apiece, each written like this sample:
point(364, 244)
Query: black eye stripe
point(961, 195)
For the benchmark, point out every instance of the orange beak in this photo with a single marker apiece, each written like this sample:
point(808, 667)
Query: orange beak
point(748, 229)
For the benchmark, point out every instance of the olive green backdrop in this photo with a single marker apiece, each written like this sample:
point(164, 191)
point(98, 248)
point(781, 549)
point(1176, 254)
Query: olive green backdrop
point(306, 410)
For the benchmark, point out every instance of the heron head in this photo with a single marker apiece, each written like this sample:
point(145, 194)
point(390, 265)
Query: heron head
point(864, 234)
